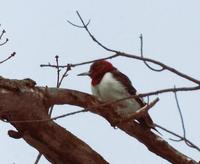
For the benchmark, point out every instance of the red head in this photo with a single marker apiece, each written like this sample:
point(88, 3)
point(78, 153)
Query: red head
point(98, 69)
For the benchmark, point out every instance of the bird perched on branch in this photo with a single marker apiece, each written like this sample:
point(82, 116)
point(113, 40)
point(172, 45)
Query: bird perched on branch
point(109, 84)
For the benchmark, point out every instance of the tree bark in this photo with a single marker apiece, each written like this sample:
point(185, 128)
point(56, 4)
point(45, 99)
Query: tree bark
point(22, 100)
point(152, 141)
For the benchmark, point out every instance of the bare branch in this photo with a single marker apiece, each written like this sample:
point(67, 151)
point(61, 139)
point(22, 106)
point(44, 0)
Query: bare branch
point(90, 34)
point(78, 64)
point(143, 59)
point(38, 158)
point(152, 141)
point(183, 125)
point(78, 26)
point(30, 104)
point(1, 44)
point(118, 53)
point(12, 55)
point(64, 74)
point(34, 102)
point(141, 53)
point(2, 33)
point(166, 67)
point(180, 137)
point(48, 119)
point(167, 90)
point(122, 54)
point(180, 113)
point(58, 84)
point(58, 71)
point(133, 116)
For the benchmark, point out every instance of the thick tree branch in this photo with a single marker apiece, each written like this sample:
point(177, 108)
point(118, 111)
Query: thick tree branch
point(21, 100)
point(153, 142)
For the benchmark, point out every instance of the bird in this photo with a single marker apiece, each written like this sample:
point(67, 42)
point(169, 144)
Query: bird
point(109, 84)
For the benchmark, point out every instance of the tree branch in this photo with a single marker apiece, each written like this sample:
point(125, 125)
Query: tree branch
point(153, 142)
point(141, 54)
point(21, 100)
point(12, 55)
point(118, 53)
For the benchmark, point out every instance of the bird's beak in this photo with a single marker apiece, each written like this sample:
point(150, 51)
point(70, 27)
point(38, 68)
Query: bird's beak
point(84, 74)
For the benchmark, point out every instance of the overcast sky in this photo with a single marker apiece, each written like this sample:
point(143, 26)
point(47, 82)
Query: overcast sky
point(38, 30)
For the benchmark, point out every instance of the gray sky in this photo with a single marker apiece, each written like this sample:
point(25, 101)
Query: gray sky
point(38, 31)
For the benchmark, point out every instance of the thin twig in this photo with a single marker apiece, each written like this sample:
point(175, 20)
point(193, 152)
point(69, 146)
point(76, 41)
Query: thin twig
point(48, 119)
point(57, 81)
point(141, 53)
point(90, 34)
point(182, 122)
point(58, 71)
point(68, 114)
point(38, 158)
point(182, 138)
point(2, 33)
point(1, 44)
point(51, 110)
point(64, 75)
point(12, 55)
point(78, 26)
point(166, 67)
point(167, 90)
point(180, 113)
point(78, 64)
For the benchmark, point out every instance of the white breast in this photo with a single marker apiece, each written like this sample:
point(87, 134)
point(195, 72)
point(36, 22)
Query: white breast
point(109, 89)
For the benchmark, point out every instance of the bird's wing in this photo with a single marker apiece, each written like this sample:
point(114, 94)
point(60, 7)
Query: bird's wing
point(126, 82)
point(146, 120)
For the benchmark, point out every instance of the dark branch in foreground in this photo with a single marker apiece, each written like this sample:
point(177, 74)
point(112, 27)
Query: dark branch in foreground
point(21, 100)
point(136, 115)
point(34, 104)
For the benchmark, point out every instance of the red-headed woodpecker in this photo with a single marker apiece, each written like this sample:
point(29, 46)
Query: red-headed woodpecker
point(109, 84)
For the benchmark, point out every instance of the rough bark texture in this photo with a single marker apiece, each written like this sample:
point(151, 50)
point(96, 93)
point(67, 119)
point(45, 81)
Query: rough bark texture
point(21, 100)
point(152, 141)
